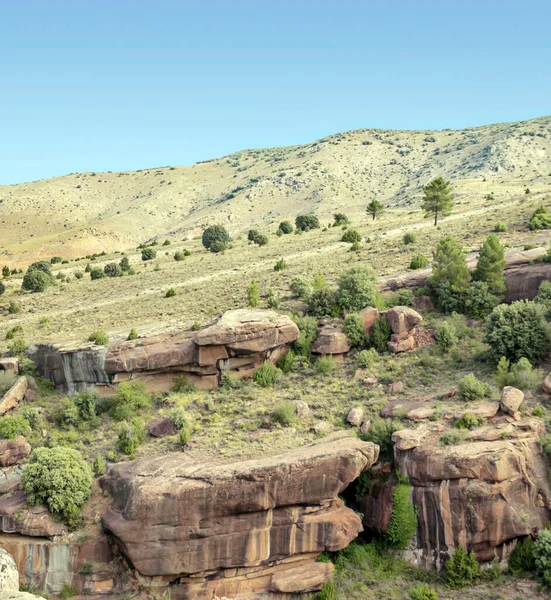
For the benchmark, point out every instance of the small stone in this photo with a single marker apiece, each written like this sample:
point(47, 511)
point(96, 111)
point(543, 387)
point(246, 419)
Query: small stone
point(396, 388)
point(364, 427)
point(161, 427)
point(511, 399)
point(420, 414)
point(322, 428)
point(355, 416)
point(30, 395)
point(370, 382)
point(301, 408)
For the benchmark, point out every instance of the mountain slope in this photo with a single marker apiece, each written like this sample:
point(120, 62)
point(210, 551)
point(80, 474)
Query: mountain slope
point(82, 213)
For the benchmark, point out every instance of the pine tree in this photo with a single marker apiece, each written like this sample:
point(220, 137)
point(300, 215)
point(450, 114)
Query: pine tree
point(490, 265)
point(375, 208)
point(438, 200)
point(253, 295)
point(449, 265)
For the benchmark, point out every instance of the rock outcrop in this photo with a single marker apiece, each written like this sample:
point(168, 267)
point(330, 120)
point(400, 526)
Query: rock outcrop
point(13, 396)
point(249, 527)
point(12, 451)
point(239, 342)
point(331, 340)
point(403, 323)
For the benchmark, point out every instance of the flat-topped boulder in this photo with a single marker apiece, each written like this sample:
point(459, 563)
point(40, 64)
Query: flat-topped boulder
point(173, 517)
point(239, 341)
point(331, 340)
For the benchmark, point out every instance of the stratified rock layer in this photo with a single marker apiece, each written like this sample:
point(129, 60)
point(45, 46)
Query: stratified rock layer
point(236, 528)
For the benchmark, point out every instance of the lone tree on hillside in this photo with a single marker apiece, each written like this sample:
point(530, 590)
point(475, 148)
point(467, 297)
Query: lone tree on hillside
point(307, 222)
point(438, 200)
point(375, 208)
point(216, 238)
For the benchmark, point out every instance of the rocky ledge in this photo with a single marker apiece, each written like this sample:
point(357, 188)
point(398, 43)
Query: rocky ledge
point(236, 529)
point(238, 342)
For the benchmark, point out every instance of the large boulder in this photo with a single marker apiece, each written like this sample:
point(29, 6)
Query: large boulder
point(402, 320)
point(369, 317)
point(331, 340)
point(13, 396)
point(173, 517)
point(511, 399)
point(9, 576)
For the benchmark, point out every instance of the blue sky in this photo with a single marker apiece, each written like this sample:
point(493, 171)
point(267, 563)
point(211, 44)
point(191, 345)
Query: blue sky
point(97, 86)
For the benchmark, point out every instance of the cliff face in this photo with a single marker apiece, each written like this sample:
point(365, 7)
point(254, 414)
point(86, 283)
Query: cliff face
point(254, 526)
point(238, 342)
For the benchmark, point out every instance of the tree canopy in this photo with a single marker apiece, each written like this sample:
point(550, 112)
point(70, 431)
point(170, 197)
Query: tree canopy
point(438, 200)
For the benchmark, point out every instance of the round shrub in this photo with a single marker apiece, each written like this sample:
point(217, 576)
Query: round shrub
point(41, 265)
point(261, 239)
point(13, 425)
point(462, 569)
point(542, 556)
point(285, 414)
point(148, 254)
point(60, 479)
point(130, 437)
point(353, 328)
point(112, 270)
point(266, 375)
point(446, 336)
point(133, 335)
point(124, 264)
point(251, 235)
point(470, 388)
point(129, 399)
point(540, 219)
point(97, 273)
point(281, 265)
point(307, 222)
point(410, 238)
point(351, 236)
point(517, 330)
point(216, 238)
point(422, 591)
point(178, 256)
point(367, 358)
point(171, 292)
point(500, 227)
point(323, 303)
point(479, 301)
point(286, 227)
point(301, 288)
point(419, 261)
point(100, 338)
point(36, 281)
point(357, 289)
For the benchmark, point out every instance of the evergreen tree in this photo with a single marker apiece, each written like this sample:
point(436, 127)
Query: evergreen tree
point(375, 208)
point(253, 295)
point(438, 200)
point(490, 265)
point(449, 265)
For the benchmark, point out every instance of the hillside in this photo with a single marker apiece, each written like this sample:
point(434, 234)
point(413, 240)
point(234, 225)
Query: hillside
point(91, 212)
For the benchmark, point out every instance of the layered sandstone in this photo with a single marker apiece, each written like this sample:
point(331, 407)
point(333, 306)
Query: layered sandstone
point(253, 526)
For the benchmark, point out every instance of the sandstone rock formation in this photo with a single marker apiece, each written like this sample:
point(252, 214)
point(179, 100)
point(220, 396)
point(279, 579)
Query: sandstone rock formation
point(369, 316)
point(331, 340)
point(239, 342)
point(12, 451)
point(13, 396)
point(403, 322)
point(9, 577)
point(10, 364)
point(254, 526)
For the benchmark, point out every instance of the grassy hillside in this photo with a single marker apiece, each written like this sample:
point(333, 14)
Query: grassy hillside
point(92, 212)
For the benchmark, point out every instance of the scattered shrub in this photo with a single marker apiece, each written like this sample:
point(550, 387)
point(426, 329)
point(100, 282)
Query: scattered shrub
point(319, 282)
point(540, 219)
point(323, 303)
point(36, 281)
point(351, 236)
point(380, 335)
point(340, 219)
point(324, 364)
point(468, 421)
point(185, 435)
point(148, 254)
point(470, 388)
point(380, 433)
point(261, 239)
point(500, 227)
point(60, 479)
point(286, 227)
point(446, 336)
point(251, 235)
point(216, 238)
point(308, 327)
point(285, 414)
point(13, 425)
point(7, 379)
point(124, 264)
point(253, 295)
point(112, 270)
point(179, 417)
point(281, 265)
point(286, 362)
point(133, 335)
point(14, 307)
point(462, 569)
point(353, 328)
point(272, 301)
point(517, 330)
point(97, 273)
point(129, 399)
point(521, 559)
point(523, 376)
point(99, 467)
point(178, 256)
point(170, 293)
point(328, 591)
point(301, 288)
point(367, 358)
point(422, 591)
point(419, 261)
point(357, 289)
point(67, 591)
point(100, 338)
point(410, 238)
point(403, 518)
point(131, 436)
point(79, 274)
point(17, 347)
point(266, 375)
point(307, 222)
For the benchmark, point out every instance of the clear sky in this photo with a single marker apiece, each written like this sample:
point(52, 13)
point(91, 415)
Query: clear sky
point(97, 86)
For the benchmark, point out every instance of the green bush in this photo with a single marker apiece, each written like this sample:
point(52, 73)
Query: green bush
point(470, 388)
point(131, 436)
point(100, 338)
point(67, 591)
point(272, 301)
point(179, 417)
point(422, 591)
point(281, 265)
point(285, 414)
point(523, 376)
point(17, 348)
point(7, 379)
point(261, 239)
point(410, 238)
point(449, 266)
point(462, 569)
point(479, 301)
point(60, 479)
point(184, 435)
point(79, 274)
point(544, 298)
point(13, 425)
point(287, 361)
point(367, 358)
point(112, 270)
point(41, 265)
point(133, 335)
point(308, 327)
point(403, 518)
point(97, 273)
point(178, 256)
point(301, 288)
point(521, 559)
point(469, 421)
point(328, 592)
point(489, 268)
point(286, 227)
point(324, 365)
point(357, 289)
point(419, 261)
point(129, 399)
point(253, 295)
point(36, 281)
point(266, 375)
point(446, 336)
point(542, 556)
point(517, 330)
point(99, 467)
point(148, 254)
point(351, 236)
point(340, 219)
point(251, 235)
point(307, 222)
point(353, 328)
point(380, 433)
point(500, 227)
point(540, 219)
point(216, 238)
point(323, 303)
point(380, 335)
point(14, 307)
point(170, 293)
point(124, 264)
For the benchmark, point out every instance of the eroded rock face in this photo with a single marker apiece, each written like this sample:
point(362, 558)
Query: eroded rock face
point(9, 577)
point(210, 525)
point(239, 341)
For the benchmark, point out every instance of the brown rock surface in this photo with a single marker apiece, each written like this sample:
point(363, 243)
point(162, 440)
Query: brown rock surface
point(13, 396)
point(12, 451)
point(10, 364)
point(16, 517)
point(161, 427)
point(172, 517)
point(369, 316)
point(355, 416)
point(402, 319)
point(546, 385)
point(421, 303)
point(511, 399)
point(331, 340)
